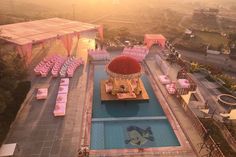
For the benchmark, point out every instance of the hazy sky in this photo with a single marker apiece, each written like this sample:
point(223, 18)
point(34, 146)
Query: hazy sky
point(97, 3)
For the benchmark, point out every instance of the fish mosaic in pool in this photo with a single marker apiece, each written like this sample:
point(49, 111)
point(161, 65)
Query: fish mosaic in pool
point(138, 136)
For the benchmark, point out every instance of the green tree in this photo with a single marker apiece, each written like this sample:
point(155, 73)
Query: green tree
point(12, 71)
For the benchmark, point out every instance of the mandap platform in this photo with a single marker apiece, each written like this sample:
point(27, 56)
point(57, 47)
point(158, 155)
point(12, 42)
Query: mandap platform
point(108, 97)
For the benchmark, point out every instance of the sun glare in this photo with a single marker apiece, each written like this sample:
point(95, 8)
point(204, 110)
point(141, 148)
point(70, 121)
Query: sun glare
point(110, 78)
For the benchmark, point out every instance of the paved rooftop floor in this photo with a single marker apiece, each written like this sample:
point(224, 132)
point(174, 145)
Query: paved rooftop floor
point(35, 129)
point(185, 123)
point(40, 134)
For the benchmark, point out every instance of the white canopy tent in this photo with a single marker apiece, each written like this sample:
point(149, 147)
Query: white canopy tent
point(25, 34)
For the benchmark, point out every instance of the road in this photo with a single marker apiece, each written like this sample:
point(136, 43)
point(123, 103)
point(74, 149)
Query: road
point(221, 61)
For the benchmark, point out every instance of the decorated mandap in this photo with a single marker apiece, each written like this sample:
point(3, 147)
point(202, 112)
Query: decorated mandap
point(124, 80)
point(26, 34)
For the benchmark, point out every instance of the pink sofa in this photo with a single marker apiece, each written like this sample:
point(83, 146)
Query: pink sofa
point(42, 93)
point(183, 83)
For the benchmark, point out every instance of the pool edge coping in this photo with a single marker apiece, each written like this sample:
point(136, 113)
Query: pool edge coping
point(184, 147)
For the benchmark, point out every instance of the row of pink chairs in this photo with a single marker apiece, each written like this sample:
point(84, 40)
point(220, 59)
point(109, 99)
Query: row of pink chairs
point(45, 66)
point(96, 51)
point(137, 52)
point(102, 56)
point(99, 54)
point(57, 66)
point(72, 67)
point(138, 56)
point(65, 66)
point(40, 65)
point(61, 101)
point(137, 49)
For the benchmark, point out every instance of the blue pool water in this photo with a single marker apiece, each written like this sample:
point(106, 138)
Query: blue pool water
point(128, 124)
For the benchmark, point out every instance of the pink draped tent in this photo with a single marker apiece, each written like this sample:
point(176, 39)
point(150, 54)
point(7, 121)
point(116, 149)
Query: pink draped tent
point(150, 39)
point(67, 41)
point(25, 34)
point(100, 31)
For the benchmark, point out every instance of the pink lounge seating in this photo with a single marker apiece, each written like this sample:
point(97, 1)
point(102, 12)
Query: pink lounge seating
point(64, 82)
point(171, 88)
point(60, 109)
point(126, 95)
point(61, 98)
point(63, 90)
point(164, 79)
point(183, 83)
point(42, 93)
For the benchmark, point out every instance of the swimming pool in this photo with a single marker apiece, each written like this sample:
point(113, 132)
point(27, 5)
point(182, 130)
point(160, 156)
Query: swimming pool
point(128, 124)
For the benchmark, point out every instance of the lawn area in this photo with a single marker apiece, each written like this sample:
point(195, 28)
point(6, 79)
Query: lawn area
point(201, 40)
point(218, 137)
point(215, 39)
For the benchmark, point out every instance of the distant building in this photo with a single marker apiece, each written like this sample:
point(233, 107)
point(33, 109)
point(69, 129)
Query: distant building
point(188, 32)
point(208, 13)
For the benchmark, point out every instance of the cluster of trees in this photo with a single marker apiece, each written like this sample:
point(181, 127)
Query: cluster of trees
point(13, 88)
point(12, 71)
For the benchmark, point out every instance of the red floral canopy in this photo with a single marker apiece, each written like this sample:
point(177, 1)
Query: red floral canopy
point(124, 66)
